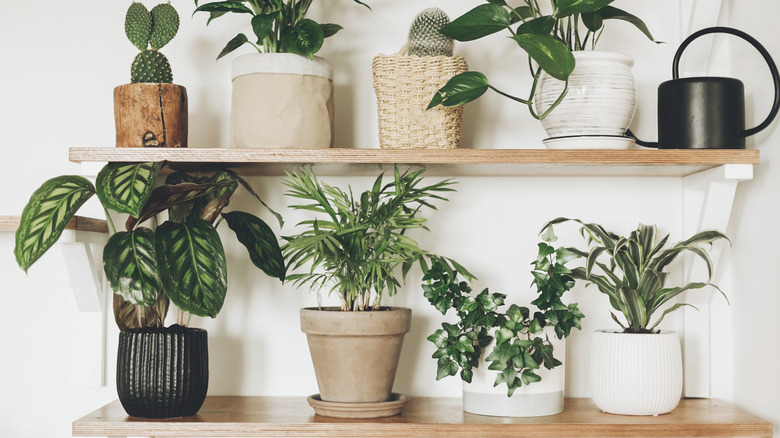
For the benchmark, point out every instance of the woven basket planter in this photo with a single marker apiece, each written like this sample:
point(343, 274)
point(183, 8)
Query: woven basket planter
point(404, 86)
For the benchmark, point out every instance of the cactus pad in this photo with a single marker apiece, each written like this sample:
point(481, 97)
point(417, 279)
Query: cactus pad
point(424, 36)
point(165, 24)
point(151, 66)
point(138, 25)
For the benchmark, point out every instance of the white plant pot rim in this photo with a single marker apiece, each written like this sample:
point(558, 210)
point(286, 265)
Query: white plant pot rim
point(603, 55)
point(280, 63)
point(619, 332)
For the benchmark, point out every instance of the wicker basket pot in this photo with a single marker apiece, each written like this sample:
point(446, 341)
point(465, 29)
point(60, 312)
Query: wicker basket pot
point(404, 86)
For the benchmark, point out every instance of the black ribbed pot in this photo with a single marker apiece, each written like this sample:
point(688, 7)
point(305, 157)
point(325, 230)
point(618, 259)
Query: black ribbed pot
point(162, 372)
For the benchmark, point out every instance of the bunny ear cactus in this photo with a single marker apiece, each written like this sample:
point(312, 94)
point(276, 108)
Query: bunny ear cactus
point(149, 31)
point(424, 36)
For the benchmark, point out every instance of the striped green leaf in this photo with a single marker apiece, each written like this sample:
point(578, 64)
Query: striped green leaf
point(129, 316)
point(47, 213)
point(191, 262)
point(130, 264)
point(166, 196)
point(259, 240)
point(125, 187)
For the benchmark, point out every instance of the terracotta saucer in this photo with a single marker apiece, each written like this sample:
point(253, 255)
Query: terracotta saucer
point(358, 410)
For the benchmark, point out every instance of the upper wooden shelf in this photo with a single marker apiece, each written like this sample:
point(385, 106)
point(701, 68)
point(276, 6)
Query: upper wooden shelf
point(454, 162)
point(423, 417)
point(78, 223)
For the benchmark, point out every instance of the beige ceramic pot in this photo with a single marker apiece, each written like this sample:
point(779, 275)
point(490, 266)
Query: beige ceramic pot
point(151, 115)
point(355, 354)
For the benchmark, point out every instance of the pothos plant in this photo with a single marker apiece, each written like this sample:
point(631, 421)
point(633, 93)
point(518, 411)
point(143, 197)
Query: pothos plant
point(547, 35)
point(278, 26)
point(631, 270)
point(148, 264)
point(357, 248)
point(521, 347)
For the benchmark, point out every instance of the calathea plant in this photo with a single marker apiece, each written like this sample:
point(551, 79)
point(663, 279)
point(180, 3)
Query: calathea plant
point(521, 348)
point(182, 259)
point(278, 26)
point(631, 270)
point(547, 35)
point(358, 244)
point(149, 31)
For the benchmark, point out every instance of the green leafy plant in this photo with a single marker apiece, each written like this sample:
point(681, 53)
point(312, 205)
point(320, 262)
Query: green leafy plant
point(278, 26)
point(358, 245)
point(521, 348)
point(181, 260)
point(548, 38)
point(149, 31)
point(631, 270)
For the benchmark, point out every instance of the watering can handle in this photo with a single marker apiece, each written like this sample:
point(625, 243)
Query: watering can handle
point(754, 43)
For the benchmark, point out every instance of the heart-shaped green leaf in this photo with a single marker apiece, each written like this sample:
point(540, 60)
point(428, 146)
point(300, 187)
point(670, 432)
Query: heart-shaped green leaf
point(262, 26)
point(481, 21)
point(570, 7)
point(192, 267)
point(125, 187)
point(130, 264)
point(47, 214)
point(259, 240)
point(460, 90)
point(552, 55)
point(305, 38)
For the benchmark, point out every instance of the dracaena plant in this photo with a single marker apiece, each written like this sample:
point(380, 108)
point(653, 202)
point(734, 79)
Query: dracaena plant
point(357, 247)
point(147, 265)
point(521, 347)
point(278, 26)
point(548, 35)
point(631, 271)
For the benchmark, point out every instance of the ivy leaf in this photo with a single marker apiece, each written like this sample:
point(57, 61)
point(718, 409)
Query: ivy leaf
point(439, 338)
point(446, 367)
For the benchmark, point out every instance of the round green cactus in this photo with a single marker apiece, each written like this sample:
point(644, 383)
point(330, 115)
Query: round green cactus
point(165, 24)
point(151, 66)
point(138, 25)
point(424, 36)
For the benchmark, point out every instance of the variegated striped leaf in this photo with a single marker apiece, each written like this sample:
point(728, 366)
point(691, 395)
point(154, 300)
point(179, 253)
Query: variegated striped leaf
point(129, 316)
point(259, 240)
point(47, 213)
point(125, 187)
point(191, 262)
point(130, 264)
point(166, 196)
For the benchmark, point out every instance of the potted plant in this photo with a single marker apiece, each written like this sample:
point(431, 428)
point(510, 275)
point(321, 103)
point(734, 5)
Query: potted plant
point(555, 42)
point(151, 111)
point(638, 370)
point(161, 372)
point(358, 250)
point(519, 349)
point(282, 95)
point(404, 83)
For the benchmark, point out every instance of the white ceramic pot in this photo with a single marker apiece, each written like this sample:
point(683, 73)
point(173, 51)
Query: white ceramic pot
point(635, 374)
point(537, 399)
point(601, 99)
point(281, 100)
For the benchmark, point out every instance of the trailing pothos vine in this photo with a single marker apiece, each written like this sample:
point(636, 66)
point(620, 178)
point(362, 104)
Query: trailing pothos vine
point(521, 347)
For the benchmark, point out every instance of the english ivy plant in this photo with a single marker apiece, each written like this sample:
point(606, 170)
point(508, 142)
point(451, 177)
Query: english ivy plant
point(547, 35)
point(521, 348)
point(181, 260)
point(631, 270)
point(278, 26)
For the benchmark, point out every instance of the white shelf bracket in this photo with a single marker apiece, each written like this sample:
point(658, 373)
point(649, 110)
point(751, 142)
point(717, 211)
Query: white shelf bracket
point(707, 201)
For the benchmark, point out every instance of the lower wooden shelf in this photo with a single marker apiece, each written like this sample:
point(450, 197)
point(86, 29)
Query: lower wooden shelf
point(423, 417)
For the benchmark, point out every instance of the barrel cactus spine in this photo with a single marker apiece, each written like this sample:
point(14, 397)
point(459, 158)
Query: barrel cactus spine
point(149, 31)
point(424, 36)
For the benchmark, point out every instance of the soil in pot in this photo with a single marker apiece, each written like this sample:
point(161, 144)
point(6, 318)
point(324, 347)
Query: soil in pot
point(162, 372)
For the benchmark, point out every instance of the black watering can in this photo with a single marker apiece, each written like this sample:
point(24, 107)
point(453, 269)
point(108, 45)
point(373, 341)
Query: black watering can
point(707, 112)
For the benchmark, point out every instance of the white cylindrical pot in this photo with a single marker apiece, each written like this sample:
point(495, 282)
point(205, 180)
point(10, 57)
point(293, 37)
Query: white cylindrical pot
point(600, 101)
point(635, 373)
point(281, 100)
point(537, 399)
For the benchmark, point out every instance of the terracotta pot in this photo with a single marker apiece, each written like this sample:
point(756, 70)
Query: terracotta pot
point(355, 354)
point(281, 100)
point(162, 372)
point(151, 115)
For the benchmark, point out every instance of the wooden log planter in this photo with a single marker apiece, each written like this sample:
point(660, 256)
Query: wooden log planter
point(150, 115)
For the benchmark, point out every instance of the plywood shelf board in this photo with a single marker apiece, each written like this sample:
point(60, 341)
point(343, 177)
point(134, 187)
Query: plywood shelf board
point(78, 223)
point(423, 417)
point(477, 162)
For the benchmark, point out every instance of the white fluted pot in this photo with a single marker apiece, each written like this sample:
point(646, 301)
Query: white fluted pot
point(601, 99)
point(635, 374)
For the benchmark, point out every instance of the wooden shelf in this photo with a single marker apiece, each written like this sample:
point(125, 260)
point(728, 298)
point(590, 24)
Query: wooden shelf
point(423, 417)
point(78, 223)
point(455, 162)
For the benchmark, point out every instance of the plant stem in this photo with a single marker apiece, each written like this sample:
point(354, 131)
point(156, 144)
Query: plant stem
point(138, 311)
point(180, 317)
point(517, 99)
point(109, 220)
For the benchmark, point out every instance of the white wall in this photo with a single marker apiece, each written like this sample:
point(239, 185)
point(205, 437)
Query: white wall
point(56, 93)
